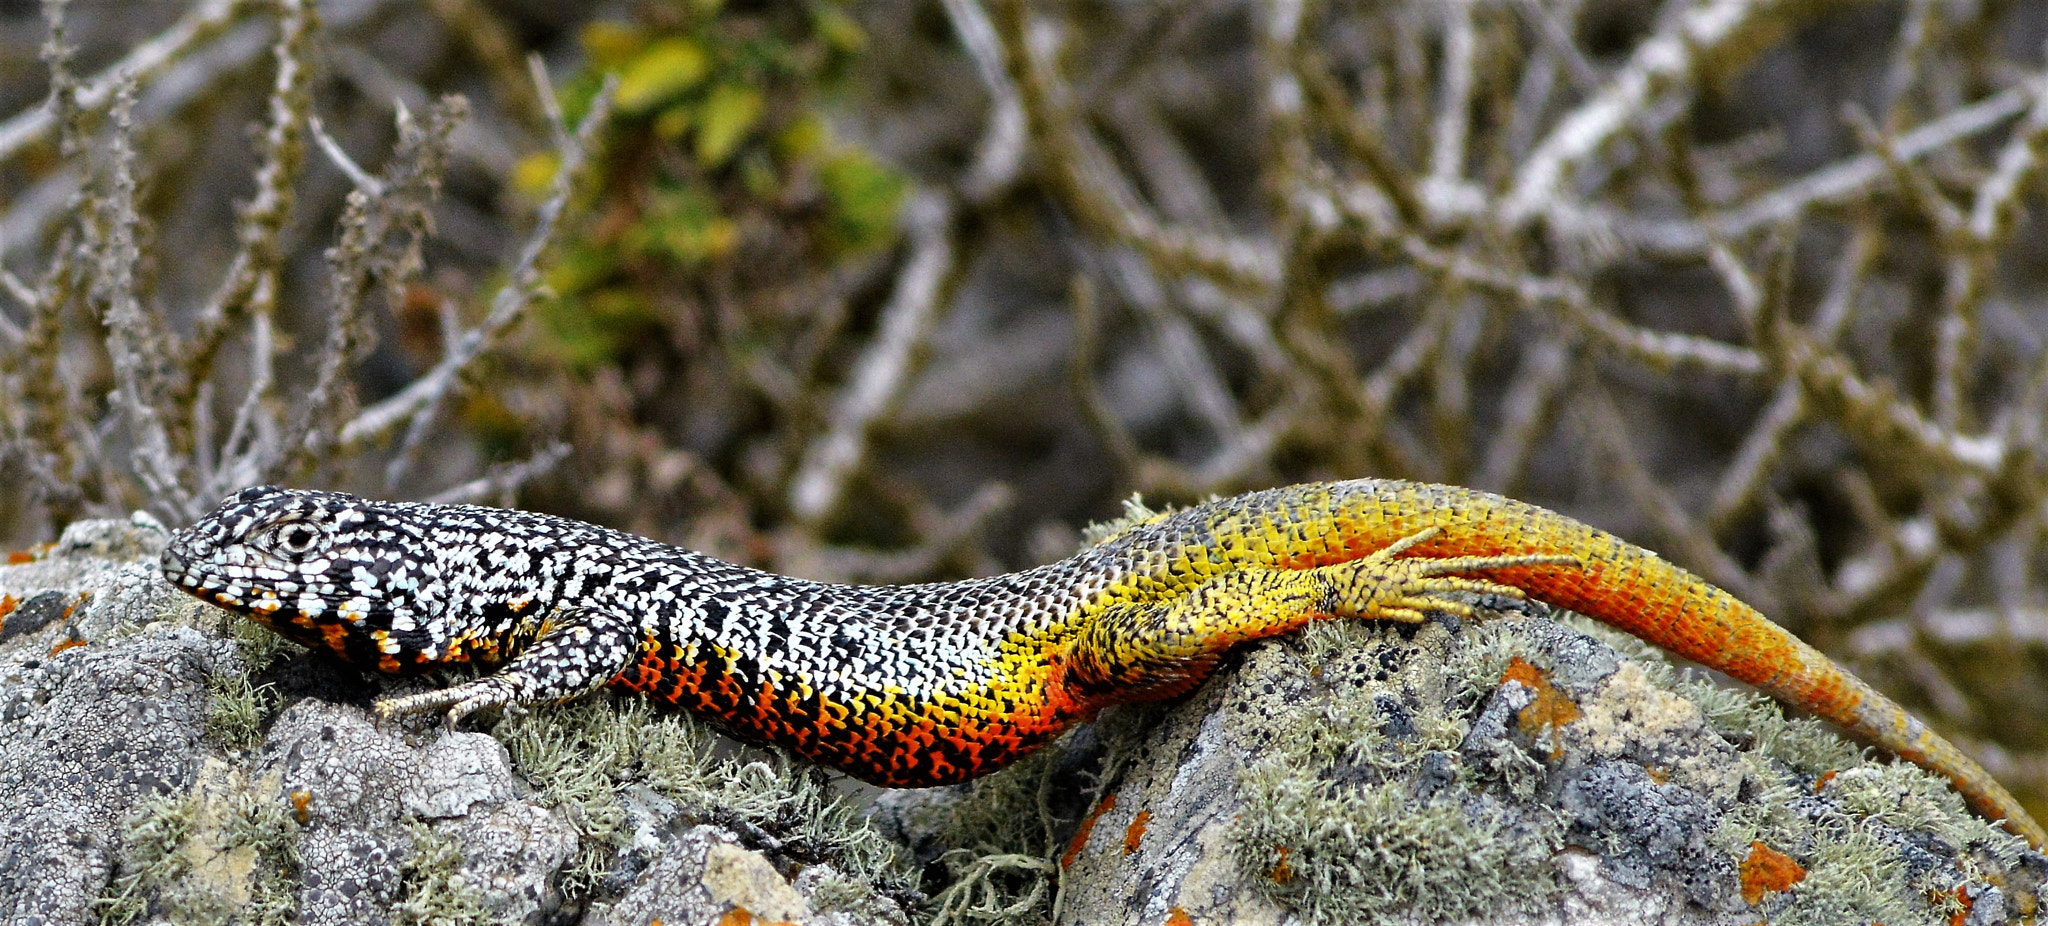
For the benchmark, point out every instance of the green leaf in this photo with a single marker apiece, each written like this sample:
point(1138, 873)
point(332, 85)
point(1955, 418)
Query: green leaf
point(866, 196)
point(612, 44)
point(839, 29)
point(664, 71)
point(683, 225)
point(729, 113)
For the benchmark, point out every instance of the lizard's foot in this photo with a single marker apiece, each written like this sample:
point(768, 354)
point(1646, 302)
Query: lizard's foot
point(585, 649)
point(1385, 586)
point(461, 700)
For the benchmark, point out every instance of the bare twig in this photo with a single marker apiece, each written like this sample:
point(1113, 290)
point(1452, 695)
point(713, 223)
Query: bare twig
point(885, 368)
point(1854, 176)
point(198, 26)
point(494, 46)
point(249, 287)
point(1000, 157)
point(381, 237)
point(1194, 374)
point(1878, 415)
point(1694, 546)
point(418, 400)
point(338, 156)
point(1108, 428)
point(1448, 144)
point(1658, 63)
point(502, 481)
point(1093, 184)
point(1534, 397)
point(1658, 349)
point(136, 343)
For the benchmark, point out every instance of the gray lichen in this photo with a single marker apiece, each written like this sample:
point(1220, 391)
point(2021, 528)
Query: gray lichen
point(602, 759)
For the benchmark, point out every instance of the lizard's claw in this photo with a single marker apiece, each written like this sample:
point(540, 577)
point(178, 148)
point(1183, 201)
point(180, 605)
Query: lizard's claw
point(461, 701)
point(1386, 586)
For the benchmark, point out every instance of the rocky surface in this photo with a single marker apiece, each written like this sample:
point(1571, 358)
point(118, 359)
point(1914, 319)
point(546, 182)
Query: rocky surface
point(1520, 769)
point(1516, 771)
point(161, 762)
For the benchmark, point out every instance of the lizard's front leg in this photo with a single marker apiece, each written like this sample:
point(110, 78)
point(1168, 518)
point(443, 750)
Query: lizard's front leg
point(1136, 650)
point(584, 649)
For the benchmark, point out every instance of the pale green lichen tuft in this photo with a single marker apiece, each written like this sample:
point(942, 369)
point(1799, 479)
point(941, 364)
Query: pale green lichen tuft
point(433, 889)
point(1853, 876)
point(224, 852)
point(260, 821)
point(1000, 833)
point(1858, 870)
point(1135, 514)
point(1337, 851)
point(237, 709)
point(1334, 827)
point(995, 889)
point(151, 860)
point(583, 756)
point(1858, 867)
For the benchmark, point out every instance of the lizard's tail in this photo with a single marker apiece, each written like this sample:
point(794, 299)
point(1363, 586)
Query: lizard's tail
point(1637, 591)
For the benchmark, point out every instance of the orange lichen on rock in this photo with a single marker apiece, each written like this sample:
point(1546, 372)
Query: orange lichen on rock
point(1281, 872)
point(1767, 870)
point(1964, 902)
point(1134, 833)
point(1087, 829)
point(1551, 708)
point(1178, 917)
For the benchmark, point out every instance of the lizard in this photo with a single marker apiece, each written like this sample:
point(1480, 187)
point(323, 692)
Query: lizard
point(938, 683)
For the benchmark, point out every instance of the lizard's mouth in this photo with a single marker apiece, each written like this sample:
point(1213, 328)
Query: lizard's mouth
point(173, 563)
point(192, 565)
point(178, 558)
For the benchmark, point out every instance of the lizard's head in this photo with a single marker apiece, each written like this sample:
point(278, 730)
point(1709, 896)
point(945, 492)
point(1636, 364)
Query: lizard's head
point(316, 562)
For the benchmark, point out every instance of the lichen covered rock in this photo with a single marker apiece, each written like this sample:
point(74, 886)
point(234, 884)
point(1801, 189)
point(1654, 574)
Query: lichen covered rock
point(1516, 769)
point(161, 761)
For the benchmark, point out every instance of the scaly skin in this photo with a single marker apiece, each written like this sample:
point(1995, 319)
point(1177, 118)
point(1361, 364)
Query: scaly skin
point(911, 686)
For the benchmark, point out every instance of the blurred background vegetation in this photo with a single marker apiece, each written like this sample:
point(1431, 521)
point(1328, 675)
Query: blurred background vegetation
point(898, 291)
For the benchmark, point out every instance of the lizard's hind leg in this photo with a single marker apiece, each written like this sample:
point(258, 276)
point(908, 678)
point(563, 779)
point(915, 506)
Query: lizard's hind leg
point(584, 649)
point(1164, 645)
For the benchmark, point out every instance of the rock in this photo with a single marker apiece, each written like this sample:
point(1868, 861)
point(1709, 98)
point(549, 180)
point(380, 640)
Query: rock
point(161, 761)
point(1511, 770)
point(88, 734)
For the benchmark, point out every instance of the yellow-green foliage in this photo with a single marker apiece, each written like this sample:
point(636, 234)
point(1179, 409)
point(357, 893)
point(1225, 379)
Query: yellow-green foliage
point(718, 134)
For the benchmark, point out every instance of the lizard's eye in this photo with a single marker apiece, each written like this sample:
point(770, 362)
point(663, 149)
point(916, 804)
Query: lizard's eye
point(294, 539)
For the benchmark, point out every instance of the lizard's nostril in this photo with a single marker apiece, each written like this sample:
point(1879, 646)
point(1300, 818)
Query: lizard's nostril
point(172, 562)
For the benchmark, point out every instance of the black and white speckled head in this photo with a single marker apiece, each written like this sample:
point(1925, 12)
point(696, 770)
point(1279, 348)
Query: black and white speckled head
point(280, 554)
